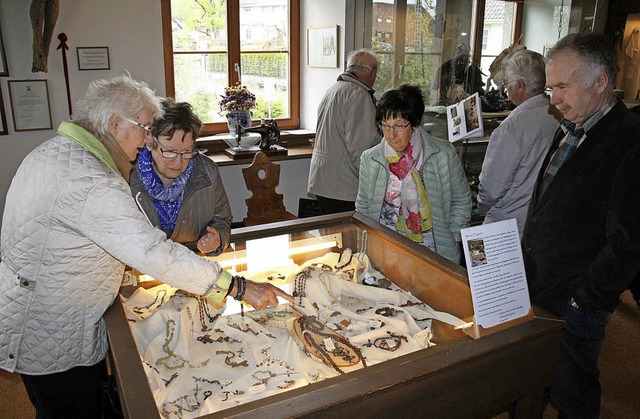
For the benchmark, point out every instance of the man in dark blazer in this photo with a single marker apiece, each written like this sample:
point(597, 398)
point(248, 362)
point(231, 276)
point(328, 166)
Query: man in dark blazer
point(581, 241)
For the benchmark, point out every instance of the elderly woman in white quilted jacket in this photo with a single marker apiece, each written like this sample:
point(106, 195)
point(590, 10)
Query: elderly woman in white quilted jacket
point(69, 227)
point(412, 182)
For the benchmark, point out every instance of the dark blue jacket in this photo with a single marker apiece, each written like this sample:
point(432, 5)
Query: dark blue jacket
point(582, 237)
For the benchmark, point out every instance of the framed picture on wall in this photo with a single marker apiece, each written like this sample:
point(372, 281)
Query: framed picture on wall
point(322, 46)
point(4, 69)
point(3, 117)
point(30, 105)
point(93, 58)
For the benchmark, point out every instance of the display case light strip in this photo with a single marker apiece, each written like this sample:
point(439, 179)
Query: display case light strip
point(239, 257)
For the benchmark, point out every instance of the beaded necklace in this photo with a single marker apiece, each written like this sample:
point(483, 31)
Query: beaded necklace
point(174, 361)
point(203, 310)
point(160, 294)
point(362, 246)
point(204, 380)
point(230, 355)
point(391, 343)
point(217, 336)
point(243, 327)
point(347, 252)
point(185, 403)
point(310, 326)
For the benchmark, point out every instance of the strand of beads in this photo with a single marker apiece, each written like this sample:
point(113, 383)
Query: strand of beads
point(217, 336)
point(230, 355)
point(161, 294)
point(174, 361)
point(310, 324)
point(203, 311)
point(391, 343)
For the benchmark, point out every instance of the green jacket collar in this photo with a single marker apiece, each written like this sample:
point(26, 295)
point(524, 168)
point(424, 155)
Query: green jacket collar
point(87, 140)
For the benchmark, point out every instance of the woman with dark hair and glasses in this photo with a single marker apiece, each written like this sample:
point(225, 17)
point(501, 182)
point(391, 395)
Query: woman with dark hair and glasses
point(178, 189)
point(412, 182)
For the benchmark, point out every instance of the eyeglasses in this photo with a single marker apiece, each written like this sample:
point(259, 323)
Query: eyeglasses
point(146, 128)
point(506, 83)
point(172, 154)
point(396, 128)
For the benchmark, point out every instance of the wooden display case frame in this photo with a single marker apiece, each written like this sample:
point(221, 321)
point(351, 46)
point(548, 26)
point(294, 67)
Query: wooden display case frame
point(464, 375)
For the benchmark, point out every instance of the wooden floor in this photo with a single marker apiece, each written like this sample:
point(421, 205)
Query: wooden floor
point(14, 402)
point(619, 364)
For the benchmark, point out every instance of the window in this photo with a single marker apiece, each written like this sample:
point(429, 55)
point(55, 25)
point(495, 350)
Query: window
point(498, 31)
point(437, 43)
point(212, 44)
point(414, 49)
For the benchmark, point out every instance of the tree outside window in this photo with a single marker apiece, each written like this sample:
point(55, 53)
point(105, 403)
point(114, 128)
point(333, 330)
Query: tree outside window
point(213, 44)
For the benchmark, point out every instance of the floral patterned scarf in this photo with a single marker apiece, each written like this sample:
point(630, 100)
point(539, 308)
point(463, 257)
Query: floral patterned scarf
point(167, 200)
point(414, 217)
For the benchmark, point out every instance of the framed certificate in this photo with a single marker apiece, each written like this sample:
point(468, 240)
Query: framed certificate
point(4, 70)
point(93, 58)
point(30, 105)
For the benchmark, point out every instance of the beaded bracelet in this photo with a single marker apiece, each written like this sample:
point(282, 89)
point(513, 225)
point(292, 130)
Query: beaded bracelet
point(241, 283)
point(233, 280)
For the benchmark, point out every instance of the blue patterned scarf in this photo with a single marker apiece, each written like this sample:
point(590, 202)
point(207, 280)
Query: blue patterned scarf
point(167, 200)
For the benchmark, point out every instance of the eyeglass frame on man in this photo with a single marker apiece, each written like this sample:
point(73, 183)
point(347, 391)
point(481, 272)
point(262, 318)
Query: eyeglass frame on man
point(187, 155)
point(506, 83)
point(394, 128)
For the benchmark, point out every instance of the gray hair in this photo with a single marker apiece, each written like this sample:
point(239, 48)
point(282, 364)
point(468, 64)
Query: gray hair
point(528, 66)
point(362, 61)
point(119, 96)
point(596, 53)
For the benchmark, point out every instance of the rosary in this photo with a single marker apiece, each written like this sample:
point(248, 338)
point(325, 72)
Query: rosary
point(138, 309)
point(174, 361)
point(229, 358)
point(217, 336)
point(203, 310)
point(390, 343)
point(310, 325)
point(243, 327)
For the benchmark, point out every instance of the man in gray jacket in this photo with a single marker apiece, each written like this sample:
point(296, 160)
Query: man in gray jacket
point(345, 128)
point(518, 146)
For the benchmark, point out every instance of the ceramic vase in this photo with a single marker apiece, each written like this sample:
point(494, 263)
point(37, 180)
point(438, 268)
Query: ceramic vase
point(243, 118)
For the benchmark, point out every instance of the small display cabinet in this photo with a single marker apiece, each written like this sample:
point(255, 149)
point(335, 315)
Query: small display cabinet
point(470, 372)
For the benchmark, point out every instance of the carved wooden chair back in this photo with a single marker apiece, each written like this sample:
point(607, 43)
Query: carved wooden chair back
point(264, 205)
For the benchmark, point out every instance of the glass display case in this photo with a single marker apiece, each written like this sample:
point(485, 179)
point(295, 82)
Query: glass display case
point(469, 371)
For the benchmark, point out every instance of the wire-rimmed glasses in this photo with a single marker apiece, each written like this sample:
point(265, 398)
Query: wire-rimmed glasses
point(146, 128)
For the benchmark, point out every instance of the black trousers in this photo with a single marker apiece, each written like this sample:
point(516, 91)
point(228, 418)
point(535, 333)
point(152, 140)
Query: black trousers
point(332, 206)
point(76, 393)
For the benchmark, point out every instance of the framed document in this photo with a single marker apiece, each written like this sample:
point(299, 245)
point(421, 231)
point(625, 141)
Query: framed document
point(4, 70)
point(322, 46)
point(3, 117)
point(93, 58)
point(30, 105)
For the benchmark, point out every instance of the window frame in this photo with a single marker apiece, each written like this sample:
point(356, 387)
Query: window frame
point(478, 21)
point(233, 54)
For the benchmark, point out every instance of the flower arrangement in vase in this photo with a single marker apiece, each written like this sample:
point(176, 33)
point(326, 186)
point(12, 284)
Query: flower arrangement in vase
point(236, 104)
